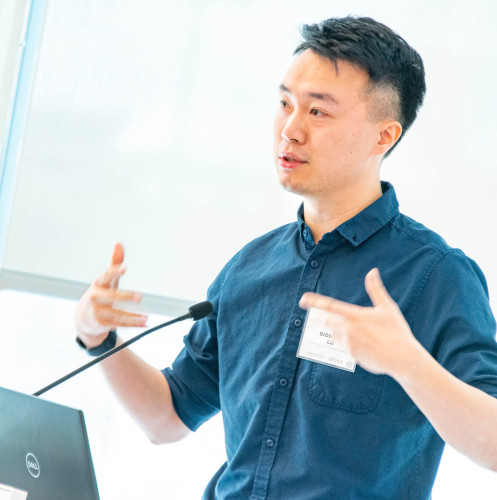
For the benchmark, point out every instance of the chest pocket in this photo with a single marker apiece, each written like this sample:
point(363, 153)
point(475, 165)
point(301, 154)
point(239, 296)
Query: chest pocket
point(357, 392)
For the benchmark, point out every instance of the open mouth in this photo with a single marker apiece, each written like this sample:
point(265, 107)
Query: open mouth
point(289, 160)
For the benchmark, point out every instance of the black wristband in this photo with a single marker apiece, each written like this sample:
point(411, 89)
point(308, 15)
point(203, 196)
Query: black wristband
point(108, 344)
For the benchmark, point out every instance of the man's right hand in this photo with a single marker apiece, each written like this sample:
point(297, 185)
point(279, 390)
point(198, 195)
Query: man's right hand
point(95, 313)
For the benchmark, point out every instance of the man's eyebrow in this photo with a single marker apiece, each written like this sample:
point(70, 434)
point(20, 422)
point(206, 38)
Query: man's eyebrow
point(316, 95)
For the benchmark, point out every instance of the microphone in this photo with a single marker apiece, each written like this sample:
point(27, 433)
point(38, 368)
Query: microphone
point(195, 312)
point(200, 310)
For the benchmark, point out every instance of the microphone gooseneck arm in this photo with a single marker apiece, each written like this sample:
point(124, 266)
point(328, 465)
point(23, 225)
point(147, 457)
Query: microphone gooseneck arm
point(196, 312)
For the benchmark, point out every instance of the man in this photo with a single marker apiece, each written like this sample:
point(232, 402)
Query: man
point(424, 343)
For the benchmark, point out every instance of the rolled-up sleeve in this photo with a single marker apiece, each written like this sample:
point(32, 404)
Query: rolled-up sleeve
point(194, 375)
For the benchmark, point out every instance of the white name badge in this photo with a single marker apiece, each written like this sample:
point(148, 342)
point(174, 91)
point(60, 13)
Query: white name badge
point(318, 344)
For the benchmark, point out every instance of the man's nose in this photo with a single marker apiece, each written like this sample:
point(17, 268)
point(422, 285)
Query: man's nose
point(294, 129)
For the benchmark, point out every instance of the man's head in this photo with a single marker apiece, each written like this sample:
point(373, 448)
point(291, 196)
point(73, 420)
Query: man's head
point(351, 90)
point(396, 73)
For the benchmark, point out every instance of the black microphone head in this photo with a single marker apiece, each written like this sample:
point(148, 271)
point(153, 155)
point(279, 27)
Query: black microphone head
point(200, 310)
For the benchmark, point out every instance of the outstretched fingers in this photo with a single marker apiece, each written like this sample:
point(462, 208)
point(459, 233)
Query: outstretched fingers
point(328, 304)
point(117, 255)
point(107, 296)
point(108, 316)
point(110, 278)
point(376, 289)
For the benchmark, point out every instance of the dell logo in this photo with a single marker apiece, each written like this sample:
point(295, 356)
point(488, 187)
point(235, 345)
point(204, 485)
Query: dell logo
point(32, 465)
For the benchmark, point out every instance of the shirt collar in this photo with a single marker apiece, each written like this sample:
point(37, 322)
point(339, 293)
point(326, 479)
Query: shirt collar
point(364, 224)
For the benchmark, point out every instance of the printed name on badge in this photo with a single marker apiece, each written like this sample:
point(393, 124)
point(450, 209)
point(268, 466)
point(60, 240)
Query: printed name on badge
point(318, 344)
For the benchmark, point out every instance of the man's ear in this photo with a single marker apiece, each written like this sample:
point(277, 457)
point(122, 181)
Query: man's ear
point(389, 134)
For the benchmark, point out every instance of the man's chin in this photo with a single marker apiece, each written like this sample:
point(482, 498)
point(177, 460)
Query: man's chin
point(292, 187)
point(291, 181)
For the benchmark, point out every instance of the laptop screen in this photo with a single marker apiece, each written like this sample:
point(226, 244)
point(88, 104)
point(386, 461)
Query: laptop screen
point(44, 449)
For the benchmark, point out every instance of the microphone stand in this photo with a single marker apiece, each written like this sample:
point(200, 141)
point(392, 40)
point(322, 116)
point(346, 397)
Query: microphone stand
point(111, 352)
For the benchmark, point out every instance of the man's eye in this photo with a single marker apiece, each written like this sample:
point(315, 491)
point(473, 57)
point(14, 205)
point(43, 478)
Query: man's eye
point(317, 112)
point(283, 104)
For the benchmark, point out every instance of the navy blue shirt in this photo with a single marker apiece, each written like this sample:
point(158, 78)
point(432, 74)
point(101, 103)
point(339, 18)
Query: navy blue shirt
point(296, 429)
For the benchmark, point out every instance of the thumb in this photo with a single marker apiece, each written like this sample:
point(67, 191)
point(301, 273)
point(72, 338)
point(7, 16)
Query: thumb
point(118, 254)
point(375, 288)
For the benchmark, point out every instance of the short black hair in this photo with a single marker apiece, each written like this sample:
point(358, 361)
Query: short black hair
point(394, 67)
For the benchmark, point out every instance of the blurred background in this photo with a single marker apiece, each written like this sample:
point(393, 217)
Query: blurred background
point(150, 123)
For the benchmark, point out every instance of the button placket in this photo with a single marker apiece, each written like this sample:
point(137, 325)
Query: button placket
point(284, 377)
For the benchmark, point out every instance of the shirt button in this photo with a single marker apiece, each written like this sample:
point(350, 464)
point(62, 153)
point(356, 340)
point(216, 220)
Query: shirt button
point(297, 322)
point(305, 232)
point(269, 443)
point(314, 264)
point(283, 382)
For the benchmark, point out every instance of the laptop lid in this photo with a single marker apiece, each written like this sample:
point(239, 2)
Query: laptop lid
point(44, 449)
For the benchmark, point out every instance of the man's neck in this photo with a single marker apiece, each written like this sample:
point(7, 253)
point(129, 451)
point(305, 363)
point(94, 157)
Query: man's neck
point(325, 214)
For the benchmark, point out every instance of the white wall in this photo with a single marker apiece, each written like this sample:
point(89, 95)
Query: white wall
point(151, 123)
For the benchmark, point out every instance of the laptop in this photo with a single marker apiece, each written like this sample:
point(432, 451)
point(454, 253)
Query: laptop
point(44, 449)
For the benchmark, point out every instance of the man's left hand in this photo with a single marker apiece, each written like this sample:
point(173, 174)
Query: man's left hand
point(378, 337)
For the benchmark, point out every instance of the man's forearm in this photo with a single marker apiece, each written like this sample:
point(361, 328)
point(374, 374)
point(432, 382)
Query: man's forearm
point(142, 389)
point(463, 416)
point(144, 392)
